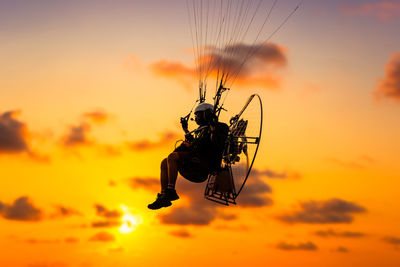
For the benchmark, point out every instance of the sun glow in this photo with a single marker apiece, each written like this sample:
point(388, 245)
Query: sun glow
point(129, 221)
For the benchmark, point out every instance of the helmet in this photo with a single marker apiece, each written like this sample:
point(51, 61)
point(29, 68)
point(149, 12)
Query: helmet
point(203, 113)
point(204, 107)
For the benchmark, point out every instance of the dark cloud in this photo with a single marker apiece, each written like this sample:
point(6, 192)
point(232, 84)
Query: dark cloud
point(384, 10)
point(106, 213)
point(254, 193)
point(99, 224)
point(77, 135)
point(189, 215)
point(390, 85)
point(98, 116)
point(200, 211)
point(102, 237)
point(329, 211)
point(332, 233)
point(260, 70)
point(392, 240)
point(181, 233)
point(62, 211)
point(300, 246)
point(148, 183)
point(21, 210)
point(166, 139)
point(341, 249)
point(13, 133)
point(227, 217)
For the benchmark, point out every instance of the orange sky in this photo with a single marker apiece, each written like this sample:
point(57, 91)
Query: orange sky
point(87, 113)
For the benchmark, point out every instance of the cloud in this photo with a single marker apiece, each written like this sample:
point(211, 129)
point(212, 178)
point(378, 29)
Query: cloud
point(359, 163)
point(275, 174)
point(106, 213)
point(98, 116)
point(253, 193)
point(174, 70)
point(102, 237)
point(389, 86)
point(392, 240)
point(62, 211)
point(148, 183)
point(332, 233)
point(319, 212)
point(260, 70)
point(181, 233)
point(77, 135)
point(98, 224)
point(383, 10)
point(166, 139)
point(300, 246)
point(21, 210)
point(189, 215)
point(342, 249)
point(109, 150)
point(200, 211)
point(13, 133)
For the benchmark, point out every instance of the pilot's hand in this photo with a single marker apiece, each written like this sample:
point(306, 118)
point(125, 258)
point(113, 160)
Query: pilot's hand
point(184, 124)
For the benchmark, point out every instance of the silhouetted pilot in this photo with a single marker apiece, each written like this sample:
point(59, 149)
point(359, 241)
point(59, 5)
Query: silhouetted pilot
point(196, 157)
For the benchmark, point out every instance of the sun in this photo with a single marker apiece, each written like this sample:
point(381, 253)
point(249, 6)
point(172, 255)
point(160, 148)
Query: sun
point(129, 221)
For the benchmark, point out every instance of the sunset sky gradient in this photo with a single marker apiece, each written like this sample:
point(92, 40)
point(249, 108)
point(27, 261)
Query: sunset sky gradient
point(91, 93)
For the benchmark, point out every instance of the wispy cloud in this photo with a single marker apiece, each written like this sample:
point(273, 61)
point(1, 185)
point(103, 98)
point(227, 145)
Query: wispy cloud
point(383, 10)
point(181, 233)
point(97, 116)
point(389, 86)
point(148, 183)
point(319, 212)
point(393, 240)
point(310, 246)
point(333, 233)
point(106, 213)
point(358, 163)
point(166, 139)
point(62, 211)
point(341, 249)
point(102, 237)
point(100, 224)
point(77, 135)
point(273, 174)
